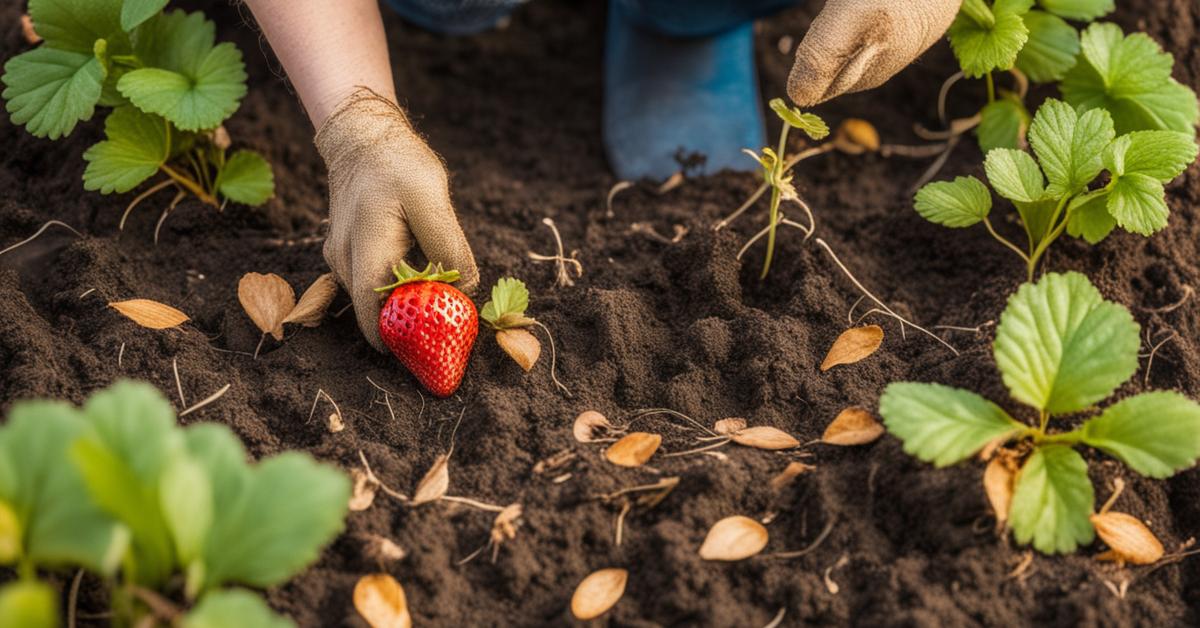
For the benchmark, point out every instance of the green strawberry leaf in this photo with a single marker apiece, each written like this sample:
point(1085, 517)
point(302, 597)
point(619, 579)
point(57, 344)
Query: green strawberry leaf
point(132, 441)
point(1138, 203)
point(136, 147)
point(1051, 50)
point(189, 80)
point(1036, 216)
point(509, 297)
point(986, 39)
point(185, 497)
point(1081, 10)
point(1089, 219)
point(1061, 347)
point(304, 501)
point(1130, 76)
point(233, 607)
point(1069, 146)
point(962, 202)
point(45, 501)
point(1161, 155)
point(51, 90)
point(1014, 175)
point(246, 178)
point(1155, 433)
point(29, 604)
point(1002, 124)
point(810, 123)
point(1052, 498)
point(943, 425)
point(134, 12)
point(76, 25)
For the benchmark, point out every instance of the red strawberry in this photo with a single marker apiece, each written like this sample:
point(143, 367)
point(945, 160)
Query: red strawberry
point(430, 326)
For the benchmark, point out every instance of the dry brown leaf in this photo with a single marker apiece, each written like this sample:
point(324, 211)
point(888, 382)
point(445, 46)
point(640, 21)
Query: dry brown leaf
point(998, 486)
point(853, 426)
point(1128, 539)
point(853, 345)
point(729, 426)
point(311, 307)
point(587, 424)
point(435, 483)
point(267, 299)
point(789, 473)
point(365, 487)
point(31, 36)
point(520, 345)
point(765, 437)
point(855, 136)
point(598, 592)
point(634, 449)
point(383, 550)
point(381, 601)
point(150, 314)
point(734, 538)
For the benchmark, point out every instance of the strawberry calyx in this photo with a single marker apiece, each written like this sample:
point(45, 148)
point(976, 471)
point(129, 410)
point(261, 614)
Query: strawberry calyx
point(506, 310)
point(407, 274)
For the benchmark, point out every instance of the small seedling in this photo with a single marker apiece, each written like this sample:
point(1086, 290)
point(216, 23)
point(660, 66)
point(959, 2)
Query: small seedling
point(1061, 349)
point(1053, 193)
point(505, 314)
point(777, 171)
point(171, 86)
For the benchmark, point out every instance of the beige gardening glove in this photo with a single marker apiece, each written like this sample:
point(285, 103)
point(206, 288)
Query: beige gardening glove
point(386, 188)
point(855, 45)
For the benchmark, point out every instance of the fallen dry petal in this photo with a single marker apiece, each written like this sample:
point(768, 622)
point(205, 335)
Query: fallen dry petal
point(853, 426)
point(383, 550)
point(765, 437)
point(435, 483)
point(856, 136)
point(335, 423)
point(1128, 538)
point(267, 299)
point(634, 449)
point(789, 473)
point(734, 538)
point(729, 426)
point(998, 486)
point(311, 307)
point(381, 601)
point(520, 345)
point(365, 488)
point(598, 592)
point(853, 345)
point(587, 424)
point(150, 314)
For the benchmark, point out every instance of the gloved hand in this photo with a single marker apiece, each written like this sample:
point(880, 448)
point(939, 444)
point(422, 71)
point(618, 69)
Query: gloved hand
point(386, 186)
point(855, 45)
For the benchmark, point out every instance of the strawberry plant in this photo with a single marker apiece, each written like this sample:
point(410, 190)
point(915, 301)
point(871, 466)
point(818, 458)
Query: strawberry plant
point(1061, 349)
point(505, 315)
point(429, 325)
point(777, 171)
point(1054, 193)
point(168, 516)
point(170, 87)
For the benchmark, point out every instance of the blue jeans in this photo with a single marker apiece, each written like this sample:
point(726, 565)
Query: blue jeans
point(677, 18)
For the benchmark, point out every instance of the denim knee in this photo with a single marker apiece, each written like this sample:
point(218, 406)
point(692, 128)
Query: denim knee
point(455, 17)
point(698, 18)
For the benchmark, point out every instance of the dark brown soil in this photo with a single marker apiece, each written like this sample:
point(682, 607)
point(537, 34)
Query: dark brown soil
point(515, 112)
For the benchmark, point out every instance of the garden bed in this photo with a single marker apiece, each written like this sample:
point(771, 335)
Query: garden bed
point(650, 324)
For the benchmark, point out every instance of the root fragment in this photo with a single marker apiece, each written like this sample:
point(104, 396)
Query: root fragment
point(563, 277)
point(617, 188)
point(46, 225)
point(207, 400)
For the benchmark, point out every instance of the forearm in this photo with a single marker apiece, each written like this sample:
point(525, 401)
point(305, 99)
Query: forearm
point(327, 49)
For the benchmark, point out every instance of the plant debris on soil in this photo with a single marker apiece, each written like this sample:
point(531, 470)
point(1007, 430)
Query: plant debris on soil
point(861, 535)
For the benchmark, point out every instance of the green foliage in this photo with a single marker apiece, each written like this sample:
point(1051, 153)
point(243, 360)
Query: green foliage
point(510, 299)
point(170, 82)
point(1051, 48)
point(1002, 123)
point(988, 38)
point(28, 604)
point(1060, 348)
point(1053, 192)
point(117, 482)
point(1130, 76)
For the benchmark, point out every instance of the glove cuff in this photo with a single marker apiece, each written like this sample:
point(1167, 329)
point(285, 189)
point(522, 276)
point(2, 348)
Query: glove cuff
point(361, 120)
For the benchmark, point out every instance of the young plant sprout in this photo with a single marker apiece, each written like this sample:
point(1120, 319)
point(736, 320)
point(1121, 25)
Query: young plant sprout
point(1061, 349)
point(777, 171)
point(505, 314)
point(171, 86)
point(1053, 193)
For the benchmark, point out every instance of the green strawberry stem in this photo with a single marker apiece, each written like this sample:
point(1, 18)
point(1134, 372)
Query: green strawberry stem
point(777, 176)
point(407, 274)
